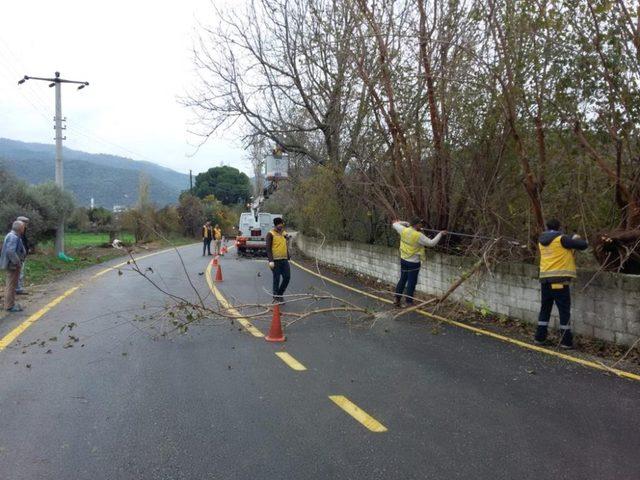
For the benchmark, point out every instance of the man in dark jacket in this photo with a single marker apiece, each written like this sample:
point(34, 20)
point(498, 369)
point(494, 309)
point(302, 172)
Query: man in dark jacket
point(11, 258)
point(557, 269)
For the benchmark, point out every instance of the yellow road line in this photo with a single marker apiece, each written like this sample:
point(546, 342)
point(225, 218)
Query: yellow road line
point(102, 272)
point(292, 362)
point(356, 412)
point(237, 315)
point(13, 334)
point(497, 336)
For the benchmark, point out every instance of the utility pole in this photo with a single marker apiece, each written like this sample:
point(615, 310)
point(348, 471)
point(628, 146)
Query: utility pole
point(57, 83)
point(190, 183)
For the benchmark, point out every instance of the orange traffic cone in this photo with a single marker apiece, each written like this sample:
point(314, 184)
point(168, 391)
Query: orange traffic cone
point(275, 331)
point(219, 274)
point(224, 249)
point(214, 262)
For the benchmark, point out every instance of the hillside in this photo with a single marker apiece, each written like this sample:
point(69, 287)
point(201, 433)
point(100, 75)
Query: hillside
point(109, 179)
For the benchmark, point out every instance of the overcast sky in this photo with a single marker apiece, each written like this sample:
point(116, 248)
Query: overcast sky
point(136, 54)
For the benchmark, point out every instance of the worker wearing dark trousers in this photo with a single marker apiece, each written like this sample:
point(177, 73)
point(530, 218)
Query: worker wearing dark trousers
point(412, 243)
point(557, 269)
point(278, 255)
point(207, 235)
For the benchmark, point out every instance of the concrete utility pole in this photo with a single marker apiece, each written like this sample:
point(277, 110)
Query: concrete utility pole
point(57, 83)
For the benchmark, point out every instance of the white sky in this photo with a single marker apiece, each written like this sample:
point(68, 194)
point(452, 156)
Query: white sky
point(136, 55)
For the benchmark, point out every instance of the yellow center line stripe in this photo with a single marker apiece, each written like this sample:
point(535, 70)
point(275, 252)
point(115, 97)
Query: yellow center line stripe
point(13, 334)
point(480, 331)
point(292, 362)
point(356, 412)
point(226, 305)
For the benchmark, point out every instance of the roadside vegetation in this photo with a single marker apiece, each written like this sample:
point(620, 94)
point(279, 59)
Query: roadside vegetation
point(90, 232)
point(482, 117)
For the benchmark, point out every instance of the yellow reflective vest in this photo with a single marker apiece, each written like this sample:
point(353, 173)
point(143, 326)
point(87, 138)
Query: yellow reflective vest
point(217, 234)
point(556, 261)
point(410, 245)
point(279, 245)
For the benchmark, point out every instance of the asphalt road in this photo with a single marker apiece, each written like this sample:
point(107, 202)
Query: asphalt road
point(123, 402)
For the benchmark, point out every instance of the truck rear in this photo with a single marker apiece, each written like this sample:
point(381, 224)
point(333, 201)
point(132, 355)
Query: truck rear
point(253, 232)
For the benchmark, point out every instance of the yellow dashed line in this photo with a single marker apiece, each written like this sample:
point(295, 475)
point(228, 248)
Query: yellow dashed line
point(513, 341)
point(226, 305)
point(292, 362)
point(356, 412)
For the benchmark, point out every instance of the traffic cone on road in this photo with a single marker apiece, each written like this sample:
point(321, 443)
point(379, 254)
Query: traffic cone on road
point(219, 274)
point(214, 262)
point(223, 250)
point(275, 331)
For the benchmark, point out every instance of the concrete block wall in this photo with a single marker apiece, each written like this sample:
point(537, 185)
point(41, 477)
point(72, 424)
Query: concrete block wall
point(605, 306)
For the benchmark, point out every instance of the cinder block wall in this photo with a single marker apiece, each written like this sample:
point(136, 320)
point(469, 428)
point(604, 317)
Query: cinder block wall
point(606, 306)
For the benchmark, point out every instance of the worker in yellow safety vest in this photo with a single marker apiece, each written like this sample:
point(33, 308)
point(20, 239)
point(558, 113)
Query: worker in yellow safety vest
point(217, 239)
point(278, 256)
point(557, 269)
point(412, 244)
point(207, 233)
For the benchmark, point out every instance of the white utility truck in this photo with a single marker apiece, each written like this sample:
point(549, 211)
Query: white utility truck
point(254, 225)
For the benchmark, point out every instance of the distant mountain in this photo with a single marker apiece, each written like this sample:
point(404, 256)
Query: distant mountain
point(109, 179)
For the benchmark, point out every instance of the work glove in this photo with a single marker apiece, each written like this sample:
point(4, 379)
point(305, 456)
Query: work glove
point(272, 265)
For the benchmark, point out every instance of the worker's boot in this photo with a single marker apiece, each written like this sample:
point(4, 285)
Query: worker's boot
point(566, 343)
point(541, 335)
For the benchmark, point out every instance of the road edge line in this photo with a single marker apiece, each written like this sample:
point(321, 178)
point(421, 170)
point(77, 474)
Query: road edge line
point(31, 319)
point(122, 264)
point(488, 333)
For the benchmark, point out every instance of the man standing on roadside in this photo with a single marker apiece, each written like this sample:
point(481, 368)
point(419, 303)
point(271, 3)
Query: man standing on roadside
point(412, 243)
point(557, 269)
point(206, 238)
point(217, 239)
point(11, 259)
point(278, 255)
point(25, 243)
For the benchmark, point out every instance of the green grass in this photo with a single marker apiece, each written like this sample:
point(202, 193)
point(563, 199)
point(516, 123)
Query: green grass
point(44, 268)
point(80, 239)
point(86, 249)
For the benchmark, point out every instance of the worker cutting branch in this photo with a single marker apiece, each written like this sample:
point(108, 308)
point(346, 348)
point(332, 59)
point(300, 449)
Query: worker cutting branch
point(557, 269)
point(412, 245)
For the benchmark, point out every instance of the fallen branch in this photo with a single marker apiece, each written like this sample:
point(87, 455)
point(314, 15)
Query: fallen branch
point(327, 310)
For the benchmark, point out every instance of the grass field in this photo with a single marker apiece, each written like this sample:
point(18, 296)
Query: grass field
point(81, 239)
point(86, 249)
